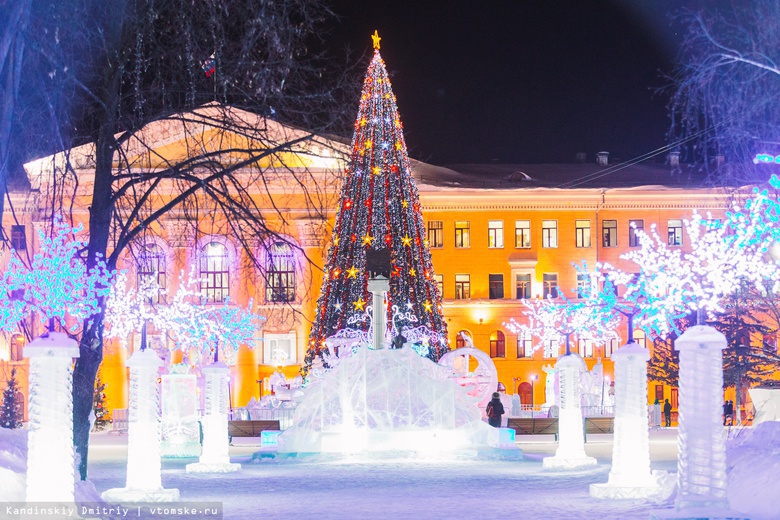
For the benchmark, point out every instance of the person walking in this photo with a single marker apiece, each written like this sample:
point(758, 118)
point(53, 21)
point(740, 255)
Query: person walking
point(495, 410)
point(667, 413)
point(728, 413)
point(656, 414)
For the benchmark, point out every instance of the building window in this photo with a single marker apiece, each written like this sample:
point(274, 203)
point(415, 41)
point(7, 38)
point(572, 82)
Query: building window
point(675, 230)
point(279, 349)
point(522, 234)
point(659, 393)
point(462, 238)
point(633, 236)
point(610, 346)
point(609, 233)
point(497, 344)
point(525, 348)
point(549, 233)
point(439, 278)
point(435, 233)
point(495, 233)
point(550, 285)
point(463, 338)
point(608, 285)
point(583, 285)
point(523, 286)
point(496, 286)
point(151, 267)
point(214, 273)
point(551, 349)
point(640, 338)
point(18, 238)
point(582, 230)
point(586, 348)
point(280, 273)
point(462, 286)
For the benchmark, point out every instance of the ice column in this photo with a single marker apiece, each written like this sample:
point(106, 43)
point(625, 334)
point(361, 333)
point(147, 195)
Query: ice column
point(630, 476)
point(379, 287)
point(571, 441)
point(50, 437)
point(701, 459)
point(143, 436)
point(215, 458)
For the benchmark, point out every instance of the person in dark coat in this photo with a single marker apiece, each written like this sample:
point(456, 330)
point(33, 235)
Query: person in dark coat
point(667, 413)
point(495, 410)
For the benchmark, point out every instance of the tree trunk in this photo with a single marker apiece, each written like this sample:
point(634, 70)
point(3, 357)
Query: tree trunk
point(91, 347)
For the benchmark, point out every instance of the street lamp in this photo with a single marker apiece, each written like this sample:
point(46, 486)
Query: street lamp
point(533, 378)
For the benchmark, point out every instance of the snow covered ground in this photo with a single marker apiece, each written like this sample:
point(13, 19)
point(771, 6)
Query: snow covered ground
point(462, 487)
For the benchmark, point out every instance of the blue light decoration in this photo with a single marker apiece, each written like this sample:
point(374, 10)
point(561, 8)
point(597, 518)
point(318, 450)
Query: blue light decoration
point(672, 283)
point(766, 158)
point(56, 285)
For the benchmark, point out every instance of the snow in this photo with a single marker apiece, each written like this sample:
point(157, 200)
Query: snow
point(462, 486)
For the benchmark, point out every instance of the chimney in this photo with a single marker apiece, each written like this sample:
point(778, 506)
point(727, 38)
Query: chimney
point(602, 158)
point(579, 157)
point(674, 159)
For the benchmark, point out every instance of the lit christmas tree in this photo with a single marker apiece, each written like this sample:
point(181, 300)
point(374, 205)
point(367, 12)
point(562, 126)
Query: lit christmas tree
point(379, 208)
point(11, 410)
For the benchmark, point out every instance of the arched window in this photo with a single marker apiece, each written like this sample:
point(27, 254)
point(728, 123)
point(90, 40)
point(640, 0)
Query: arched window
point(280, 273)
point(640, 338)
point(463, 339)
point(497, 344)
point(611, 346)
point(585, 348)
point(151, 266)
point(214, 273)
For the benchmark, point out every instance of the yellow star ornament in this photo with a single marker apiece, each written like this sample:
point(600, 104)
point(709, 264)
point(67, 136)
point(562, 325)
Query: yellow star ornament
point(406, 240)
point(367, 240)
point(375, 37)
point(359, 304)
point(428, 306)
point(352, 272)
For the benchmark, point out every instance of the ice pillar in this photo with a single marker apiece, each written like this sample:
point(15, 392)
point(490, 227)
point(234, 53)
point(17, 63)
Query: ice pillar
point(701, 459)
point(630, 476)
point(144, 482)
point(379, 287)
point(215, 458)
point(50, 437)
point(571, 437)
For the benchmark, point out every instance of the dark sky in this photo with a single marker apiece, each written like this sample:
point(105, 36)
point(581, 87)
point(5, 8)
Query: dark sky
point(519, 80)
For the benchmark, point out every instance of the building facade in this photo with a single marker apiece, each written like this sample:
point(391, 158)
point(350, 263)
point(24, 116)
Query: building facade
point(499, 236)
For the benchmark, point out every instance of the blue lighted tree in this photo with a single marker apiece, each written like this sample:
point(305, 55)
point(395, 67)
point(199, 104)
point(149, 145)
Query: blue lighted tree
point(56, 286)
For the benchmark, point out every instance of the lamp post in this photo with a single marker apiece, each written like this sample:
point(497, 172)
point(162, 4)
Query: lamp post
point(533, 378)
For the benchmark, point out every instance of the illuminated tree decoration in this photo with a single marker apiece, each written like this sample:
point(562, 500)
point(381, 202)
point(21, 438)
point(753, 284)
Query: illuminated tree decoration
point(553, 321)
point(196, 329)
point(379, 208)
point(56, 285)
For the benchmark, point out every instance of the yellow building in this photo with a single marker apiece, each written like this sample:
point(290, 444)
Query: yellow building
point(499, 234)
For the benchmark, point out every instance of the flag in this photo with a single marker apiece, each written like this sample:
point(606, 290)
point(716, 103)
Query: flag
point(208, 66)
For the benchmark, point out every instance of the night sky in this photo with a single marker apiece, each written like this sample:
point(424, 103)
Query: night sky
point(519, 81)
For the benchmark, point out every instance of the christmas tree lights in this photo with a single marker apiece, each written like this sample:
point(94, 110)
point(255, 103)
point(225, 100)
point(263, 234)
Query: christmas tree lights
point(379, 208)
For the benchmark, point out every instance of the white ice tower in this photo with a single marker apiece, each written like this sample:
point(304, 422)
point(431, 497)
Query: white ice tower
point(144, 483)
point(571, 442)
point(50, 438)
point(215, 457)
point(630, 476)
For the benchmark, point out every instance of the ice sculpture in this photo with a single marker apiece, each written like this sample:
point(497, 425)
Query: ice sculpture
point(551, 388)
point(701, 459)
point(215, 458)
point(180, 429)
point(50, 437)
point(386, 400)
point(482, 381)
point(571, 440)
point(378, 287)
point(630, 475)
point(144, 483)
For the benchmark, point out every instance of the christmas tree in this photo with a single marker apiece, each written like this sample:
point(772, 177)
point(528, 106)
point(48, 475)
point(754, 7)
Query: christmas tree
point(101, 413)
point(12, 410)
point(379, 209)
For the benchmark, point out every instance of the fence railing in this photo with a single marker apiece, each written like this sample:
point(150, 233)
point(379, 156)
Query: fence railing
point(283, 415)
point(538, 410)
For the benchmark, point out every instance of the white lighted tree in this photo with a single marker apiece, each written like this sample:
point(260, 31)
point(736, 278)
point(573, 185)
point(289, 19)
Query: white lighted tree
point(196, 329)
